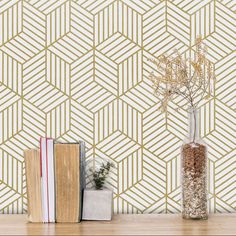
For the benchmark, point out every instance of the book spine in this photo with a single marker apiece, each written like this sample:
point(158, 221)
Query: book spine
point(51, 180)
point(33, 184)
point(40, 150)
point(82, 175)
point(44, 179)
point(47, 179)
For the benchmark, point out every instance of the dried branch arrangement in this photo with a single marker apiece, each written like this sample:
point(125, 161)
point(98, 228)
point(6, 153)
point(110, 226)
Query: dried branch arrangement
point(178, 76)
point(191, 79)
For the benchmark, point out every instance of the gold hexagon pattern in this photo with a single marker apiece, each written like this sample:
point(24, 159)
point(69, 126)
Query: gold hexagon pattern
point(78, 69)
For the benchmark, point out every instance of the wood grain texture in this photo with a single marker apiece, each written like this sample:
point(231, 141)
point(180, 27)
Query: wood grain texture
point(67, 173)
point(33, 179)
point(155, 224)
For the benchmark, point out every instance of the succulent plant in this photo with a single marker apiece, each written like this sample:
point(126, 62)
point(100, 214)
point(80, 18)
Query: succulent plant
point(100, 175)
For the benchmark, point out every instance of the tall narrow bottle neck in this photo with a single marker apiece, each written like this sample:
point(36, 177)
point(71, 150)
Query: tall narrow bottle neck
point(194, 133)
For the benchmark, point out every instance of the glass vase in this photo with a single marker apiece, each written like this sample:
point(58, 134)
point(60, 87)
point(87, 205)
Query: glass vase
point(194, 172)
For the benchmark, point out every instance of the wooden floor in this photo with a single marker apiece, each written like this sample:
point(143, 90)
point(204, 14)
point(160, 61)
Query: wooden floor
point(220, 224)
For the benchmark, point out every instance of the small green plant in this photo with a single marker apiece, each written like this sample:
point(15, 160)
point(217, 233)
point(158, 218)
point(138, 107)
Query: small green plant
point(100, 175)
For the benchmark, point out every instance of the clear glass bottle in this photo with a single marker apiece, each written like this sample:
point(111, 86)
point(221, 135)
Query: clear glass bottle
point(194, 172)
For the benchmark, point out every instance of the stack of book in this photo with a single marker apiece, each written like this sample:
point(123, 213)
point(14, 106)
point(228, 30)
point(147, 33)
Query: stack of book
point(55, 181)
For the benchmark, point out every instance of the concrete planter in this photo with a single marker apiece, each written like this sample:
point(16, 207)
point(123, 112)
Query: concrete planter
point(97, 204)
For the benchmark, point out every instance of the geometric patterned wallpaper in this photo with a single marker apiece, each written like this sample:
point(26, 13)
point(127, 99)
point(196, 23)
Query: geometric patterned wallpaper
point(78, 70)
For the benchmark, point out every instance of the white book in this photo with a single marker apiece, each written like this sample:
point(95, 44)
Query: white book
point(51, 179)
point(43, 158)
point(48, 180)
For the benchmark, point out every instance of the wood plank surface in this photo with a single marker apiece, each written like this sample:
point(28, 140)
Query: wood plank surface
point(155, 224)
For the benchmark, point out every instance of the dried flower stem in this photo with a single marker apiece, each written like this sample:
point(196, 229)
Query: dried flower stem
point(187, 78)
